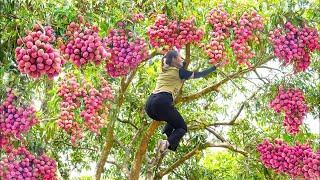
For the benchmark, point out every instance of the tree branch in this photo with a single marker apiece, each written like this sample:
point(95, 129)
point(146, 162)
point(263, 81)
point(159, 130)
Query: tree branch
point(194, 151)
point(207, 89)
point(229, 79)
point(123, 168)
point(209, 129)
point(257, 74)
point(109, 136)
point(188, 55)
point(187, 62)
point(135, 137)
point(238, 113)
point(215, 87)
point(106, 150)
point(216, 134)
point(128, 122)
point(235, 117)
point(267, 67)
point(221, 124)
point(251, 81)
point(180, 161)
point(130, 147)
point(126, 149)
point(228, 146)
point(230, 123)
point(124, 86)
point(114, 163)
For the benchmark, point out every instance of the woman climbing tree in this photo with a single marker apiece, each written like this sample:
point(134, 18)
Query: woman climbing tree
point(159, 105)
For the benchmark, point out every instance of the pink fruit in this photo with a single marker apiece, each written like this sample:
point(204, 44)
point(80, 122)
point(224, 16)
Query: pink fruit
point(293, 45)
point(294, 108)
point(38, 47)
point(295, 161)
point(81, 43)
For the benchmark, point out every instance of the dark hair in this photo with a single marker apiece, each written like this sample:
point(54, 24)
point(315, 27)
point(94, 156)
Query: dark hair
point(170, 55)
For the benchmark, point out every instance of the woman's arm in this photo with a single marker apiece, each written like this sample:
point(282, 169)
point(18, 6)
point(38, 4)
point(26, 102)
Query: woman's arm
point(185, 74)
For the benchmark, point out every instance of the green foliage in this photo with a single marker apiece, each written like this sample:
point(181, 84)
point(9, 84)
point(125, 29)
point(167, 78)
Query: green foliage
point(222, 164)
point(256, 122)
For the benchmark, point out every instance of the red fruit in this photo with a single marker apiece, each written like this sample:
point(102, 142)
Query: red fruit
point(289, 103)
point(29, 44)
point(45, 56)
point(40, 52)
point(26, 57)
point(37, 47)
point(295, 163)
point(48, 61)
point(19, 42)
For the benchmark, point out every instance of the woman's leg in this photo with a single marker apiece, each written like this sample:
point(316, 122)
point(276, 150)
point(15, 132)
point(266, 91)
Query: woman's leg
point(176, 121)
point(168, 129)
point(164, 110)
point(180, 128)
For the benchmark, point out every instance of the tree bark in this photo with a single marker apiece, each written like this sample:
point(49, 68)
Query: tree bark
point(106, 150)
point(180, 161)
point(141, 151)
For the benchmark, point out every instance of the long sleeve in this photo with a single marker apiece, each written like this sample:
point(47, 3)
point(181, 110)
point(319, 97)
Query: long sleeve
point(185, 74)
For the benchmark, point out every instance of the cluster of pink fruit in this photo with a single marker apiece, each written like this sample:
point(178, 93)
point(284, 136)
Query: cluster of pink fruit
point(293, 45)
point(296, 161)
point(14, 121)
point(94, 111)
point(245, 31)
point(221, 22)
point(36, 55)
point(249, 24)
point(172, 33)
point(293, 104)
point(70, 92)
point(22, 164)
point(83, 44)
point(126, 52)
point(94, 106)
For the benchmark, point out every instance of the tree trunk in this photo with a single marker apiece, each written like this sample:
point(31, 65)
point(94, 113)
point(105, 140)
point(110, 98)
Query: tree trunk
point(135, 172)
point(106, 150)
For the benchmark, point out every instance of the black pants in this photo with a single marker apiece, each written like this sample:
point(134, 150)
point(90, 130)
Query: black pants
point(160, 107)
